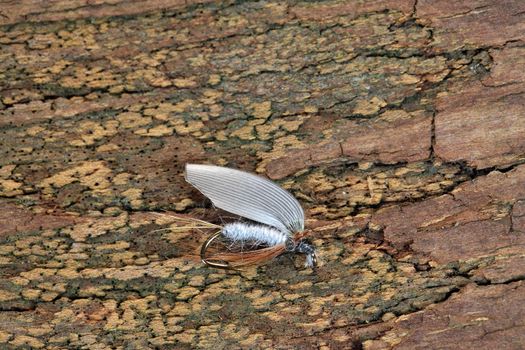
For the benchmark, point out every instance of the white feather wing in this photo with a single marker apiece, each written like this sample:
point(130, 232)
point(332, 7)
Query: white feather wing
point(247, 195)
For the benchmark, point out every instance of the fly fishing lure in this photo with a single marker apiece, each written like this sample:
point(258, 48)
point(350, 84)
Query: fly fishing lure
point(278, 217)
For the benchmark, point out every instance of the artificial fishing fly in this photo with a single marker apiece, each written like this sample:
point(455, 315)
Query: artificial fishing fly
point(278, 217)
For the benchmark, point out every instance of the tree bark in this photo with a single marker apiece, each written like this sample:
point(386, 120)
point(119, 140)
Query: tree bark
point(399, 126)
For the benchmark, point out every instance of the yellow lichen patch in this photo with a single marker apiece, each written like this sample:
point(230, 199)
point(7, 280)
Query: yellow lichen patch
point(249, 273)
point(328, 253)
point(68, 273)
point(267, 131)
point(160, 81)
point(4, 337)
point(143, 75)
point(319, 182)
point(97, 227)
point(49, 295)
point(125, 274)
point(185, 128)
point(244, 133)
point(58, 66)
point(215, 110)
point(255, 122)
point(109, 147)
point(72, 258)
point(393, 338)
point(437, 77)
point(133, 195)
point(292, 125)
point(393, 115)
point(433, 188)
point(121, 179)
point(186, 293)
point(261, 300)
point(361, 288)
point(369, 107)
point(102, 81)
point(302, 285)
point(168, 108)
point(130, 120)
point(64, 315)
point(112, 321)
point(183, 204)
point(235, 332)
point(157, 131)
point(317, 326)
point(97, 180)
point(10, 188)
point(184, 83)
point(54, 136)
point(7, 295)
point(210, 96)
point(34, 130)
point(38, 274)
point(207, 336)
point(292, 296)
point(127, 322)
point(416, 168)
point(133, 310)
point(273, 316)
point(158, 327)
point(6, 171)
point(54, 287)
point(21, 96)
point(136, 221)
point(31, 294)
point(196, 281)
point(262, 110)
point(180, 309)
point(214, 79)
point(40, 330)
point(91, 131)
point(252, 340)
point(186, 336)
point(316, 304)
point(27, 341)
point(68, 82)
point(388, 316)
point(407, 79)
point(116, 89)
point(91, 174)
point(177, 234)
point(119, 245)
point(6, 249)
point(125, 257)
point(27, 241)
point(142, 261)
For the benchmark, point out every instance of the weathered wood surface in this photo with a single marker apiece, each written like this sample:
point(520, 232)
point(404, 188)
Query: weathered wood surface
point(399, 125)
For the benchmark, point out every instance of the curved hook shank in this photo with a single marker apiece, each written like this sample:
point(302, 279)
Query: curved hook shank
point(211, 262)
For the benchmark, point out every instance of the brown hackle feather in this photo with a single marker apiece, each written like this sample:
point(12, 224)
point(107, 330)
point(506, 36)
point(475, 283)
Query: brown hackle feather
point(249, 258)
